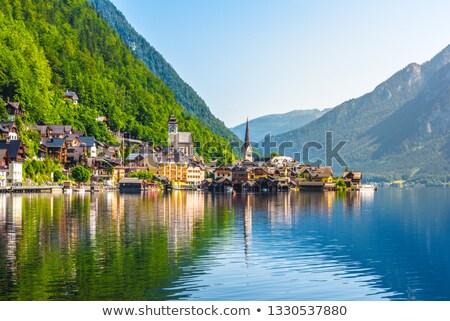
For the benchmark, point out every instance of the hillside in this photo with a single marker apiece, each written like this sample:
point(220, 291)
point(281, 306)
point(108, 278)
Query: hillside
point(49, 47)
point(385, 129)
point(277, 123)
point(184, 94)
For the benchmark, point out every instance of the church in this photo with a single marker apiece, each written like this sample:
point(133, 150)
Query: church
point(180, 141)
point(247, 151)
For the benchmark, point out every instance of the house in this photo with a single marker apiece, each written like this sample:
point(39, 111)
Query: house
point(4, 166)
point(75, 155)
point(280, 161)
point(323, 174)
point(134, 159)
point(14, 109)
point(194, 175)
point(59, 131)
point(72, 140)
point(56, 149)
point(15, 173)
point(280, 172)
point(258, 172)
point(306, 173)
point(71, 95)
point(175, 170)
point(352, 178)
point(89, 144)
point(55, 131)
point(143, 160)
point(8, 130)
point(16, 155)
point(223, 171)
point(241, 173)
point(16, 150)
point(131, 185)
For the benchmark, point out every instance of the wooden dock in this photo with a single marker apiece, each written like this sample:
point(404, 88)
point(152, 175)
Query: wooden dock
point(30, 189)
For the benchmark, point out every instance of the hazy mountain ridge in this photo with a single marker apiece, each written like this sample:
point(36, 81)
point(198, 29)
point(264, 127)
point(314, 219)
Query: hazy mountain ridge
point(379, 126)
point(185, 95)
point(277, 123)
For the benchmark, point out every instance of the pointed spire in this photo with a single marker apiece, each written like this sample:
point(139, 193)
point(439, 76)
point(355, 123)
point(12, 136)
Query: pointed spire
point(247, 134)
point(247, 147)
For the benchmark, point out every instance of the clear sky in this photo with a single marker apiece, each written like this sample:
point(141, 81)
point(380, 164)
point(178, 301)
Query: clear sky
point(248, 57)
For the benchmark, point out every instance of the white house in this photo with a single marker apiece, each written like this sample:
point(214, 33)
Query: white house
point(4, 167)
point(281, 161)
point(15, 173)
point(89, 143)
point(194, 175)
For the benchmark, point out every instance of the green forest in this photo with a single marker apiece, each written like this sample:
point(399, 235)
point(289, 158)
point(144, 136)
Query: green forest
point(48, 47)
point(184, 94)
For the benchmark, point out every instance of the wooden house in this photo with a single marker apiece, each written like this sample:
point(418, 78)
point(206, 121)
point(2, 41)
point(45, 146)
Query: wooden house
point(241, 173)
point(14, 109)
point(323, 174)
point(71, 95)
point(9, 130)
point(352, 178)
point(56, 149)
point(223, 171)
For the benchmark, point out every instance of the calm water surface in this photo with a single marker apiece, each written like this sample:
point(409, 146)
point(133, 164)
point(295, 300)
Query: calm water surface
point(389, 245)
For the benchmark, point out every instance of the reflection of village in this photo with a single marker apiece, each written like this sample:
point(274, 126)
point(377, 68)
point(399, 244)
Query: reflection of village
point(67, 220)
point(57, 230)
point(67, 231)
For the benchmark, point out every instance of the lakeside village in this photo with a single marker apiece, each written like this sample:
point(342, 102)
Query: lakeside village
point(83, 163)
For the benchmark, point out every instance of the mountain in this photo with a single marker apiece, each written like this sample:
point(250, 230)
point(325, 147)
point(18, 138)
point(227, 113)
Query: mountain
point(184, 94)
point(277, 123)
point(47, 47)
point(399, 131)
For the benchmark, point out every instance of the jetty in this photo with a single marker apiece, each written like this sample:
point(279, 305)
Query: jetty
point(31, 189)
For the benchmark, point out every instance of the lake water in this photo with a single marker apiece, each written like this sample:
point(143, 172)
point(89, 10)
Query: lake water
point(393, 244)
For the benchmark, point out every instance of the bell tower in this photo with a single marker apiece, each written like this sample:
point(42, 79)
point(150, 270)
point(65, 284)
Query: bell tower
point(173, 125)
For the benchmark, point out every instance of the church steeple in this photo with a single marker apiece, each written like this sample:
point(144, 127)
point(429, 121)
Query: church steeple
point(247, 151)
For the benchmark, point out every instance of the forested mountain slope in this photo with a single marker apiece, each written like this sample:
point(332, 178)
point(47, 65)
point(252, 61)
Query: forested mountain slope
point(47, 47)
point(184, 94)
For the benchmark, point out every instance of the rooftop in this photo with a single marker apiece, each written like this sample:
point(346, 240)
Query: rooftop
point(54, 142)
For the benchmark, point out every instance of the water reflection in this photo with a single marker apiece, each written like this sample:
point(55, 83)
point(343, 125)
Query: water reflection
point(189, 245)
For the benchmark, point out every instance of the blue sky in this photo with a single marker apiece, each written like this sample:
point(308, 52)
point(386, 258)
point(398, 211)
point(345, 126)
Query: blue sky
point(248, 57)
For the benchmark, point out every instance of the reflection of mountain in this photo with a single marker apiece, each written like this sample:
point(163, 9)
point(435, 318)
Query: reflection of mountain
point(389, 245)
point(319, 246)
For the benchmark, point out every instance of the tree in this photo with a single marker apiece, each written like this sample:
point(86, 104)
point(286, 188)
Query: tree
point(274, 154)
point(346, 169)
point(58, 176)
point(340, 184)
point(3, 113)
point(146, 175)
point(81, 174)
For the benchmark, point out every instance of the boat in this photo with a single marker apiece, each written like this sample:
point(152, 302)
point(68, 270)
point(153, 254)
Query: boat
point(367, 188)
